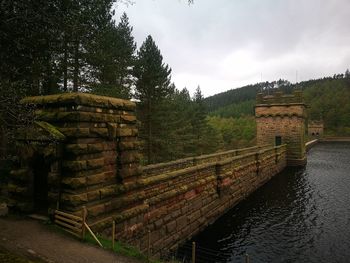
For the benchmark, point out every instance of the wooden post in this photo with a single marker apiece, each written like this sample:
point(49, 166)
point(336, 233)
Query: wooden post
point(247, 259)
point(84, 213)
point(193, 252)
point(149, 244)
point(113, 234)
point(93, 235)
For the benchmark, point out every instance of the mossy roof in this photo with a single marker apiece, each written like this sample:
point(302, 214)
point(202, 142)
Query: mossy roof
point(84, 99)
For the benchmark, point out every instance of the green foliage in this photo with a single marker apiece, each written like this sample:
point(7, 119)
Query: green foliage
point(246, 93)
point(152, 90)
point(323, 97)
point(112, 57)
point(235, 132)
point(329, 100)
point(236, 110)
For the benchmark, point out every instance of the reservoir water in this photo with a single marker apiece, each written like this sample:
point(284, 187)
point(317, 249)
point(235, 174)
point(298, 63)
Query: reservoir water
point(300, 215)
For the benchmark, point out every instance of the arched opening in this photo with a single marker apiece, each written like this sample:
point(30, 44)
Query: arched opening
point(41, 169)
point(313, 134)
point(317, 134)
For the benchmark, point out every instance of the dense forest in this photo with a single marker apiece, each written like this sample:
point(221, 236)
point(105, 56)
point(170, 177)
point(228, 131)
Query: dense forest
point(57, 46)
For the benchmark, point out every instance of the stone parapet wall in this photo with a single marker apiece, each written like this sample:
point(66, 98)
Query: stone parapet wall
point(175, 205)
point(158, 168)
point(280, 98)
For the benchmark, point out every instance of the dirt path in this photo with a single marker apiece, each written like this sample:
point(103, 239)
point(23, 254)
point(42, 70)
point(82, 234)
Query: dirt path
point(34, 240)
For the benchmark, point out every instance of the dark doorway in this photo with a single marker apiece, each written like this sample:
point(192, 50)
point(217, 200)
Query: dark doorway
point(41, 170)
point(278, 140)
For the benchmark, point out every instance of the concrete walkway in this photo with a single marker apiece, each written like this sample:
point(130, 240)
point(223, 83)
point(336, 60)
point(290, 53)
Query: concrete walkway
point(34, 240)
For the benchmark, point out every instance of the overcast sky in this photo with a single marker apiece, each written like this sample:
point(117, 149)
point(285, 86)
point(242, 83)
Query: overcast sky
point(226, 44)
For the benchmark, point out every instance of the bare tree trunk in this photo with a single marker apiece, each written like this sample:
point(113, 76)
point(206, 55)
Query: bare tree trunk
point(149, 133)
point(65, 67)
point(76, 66)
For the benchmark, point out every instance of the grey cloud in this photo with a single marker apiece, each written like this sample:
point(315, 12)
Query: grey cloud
point(228, 43)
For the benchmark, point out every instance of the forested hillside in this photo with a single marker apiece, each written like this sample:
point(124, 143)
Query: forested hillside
point(328, 99)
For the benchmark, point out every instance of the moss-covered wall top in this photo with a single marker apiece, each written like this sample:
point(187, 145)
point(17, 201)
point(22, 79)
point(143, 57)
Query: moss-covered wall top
point(80, 99)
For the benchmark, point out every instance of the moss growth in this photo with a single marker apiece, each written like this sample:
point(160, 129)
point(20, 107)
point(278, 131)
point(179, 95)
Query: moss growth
point(52, 130)
point(80, 99)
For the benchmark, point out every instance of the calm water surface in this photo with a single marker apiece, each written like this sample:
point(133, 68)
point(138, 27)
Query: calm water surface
point(299, 216)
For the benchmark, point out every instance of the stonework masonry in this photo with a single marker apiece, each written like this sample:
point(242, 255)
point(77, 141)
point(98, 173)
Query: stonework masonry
point(315, 129)
point(280, 119)
point(90, 145)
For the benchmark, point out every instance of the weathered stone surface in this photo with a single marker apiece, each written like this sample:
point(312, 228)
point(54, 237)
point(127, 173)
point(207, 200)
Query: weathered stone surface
point(282, 117)
point(74, 165)
point(95, 163)
point(96, 179)
point(74, 199)
point(80, 99)
point(74, 183)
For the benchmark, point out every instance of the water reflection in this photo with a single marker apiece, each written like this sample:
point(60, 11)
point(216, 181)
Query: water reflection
point(299, 216)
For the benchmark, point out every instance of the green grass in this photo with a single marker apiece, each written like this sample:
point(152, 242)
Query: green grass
point(119, 247)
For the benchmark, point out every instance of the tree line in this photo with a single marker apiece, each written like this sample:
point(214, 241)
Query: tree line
point(58, 46)
point(323, 97)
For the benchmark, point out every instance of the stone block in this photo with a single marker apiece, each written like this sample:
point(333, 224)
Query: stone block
point(131, 119)
point(96, 210)
point(171, 227)
point(74, 199)
point(76, 149)
point(181, 222)
point(95, 163)
point(93, 195)
point(95, 147)
point(129, 170)
point(74, 182)
point(125, 132)
point(74, 165)
point(96, 179)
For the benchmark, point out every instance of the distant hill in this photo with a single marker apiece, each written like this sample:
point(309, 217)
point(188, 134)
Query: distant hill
point(327, 98)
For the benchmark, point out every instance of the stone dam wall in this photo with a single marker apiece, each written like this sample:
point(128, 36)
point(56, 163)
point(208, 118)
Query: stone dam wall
point(90, 147)
point(177, 200)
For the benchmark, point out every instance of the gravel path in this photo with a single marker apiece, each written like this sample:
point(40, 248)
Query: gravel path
point(34, 240)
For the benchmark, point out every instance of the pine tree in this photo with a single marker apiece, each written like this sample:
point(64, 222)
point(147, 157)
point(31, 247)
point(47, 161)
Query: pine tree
point(152, 87)
point(112, 58)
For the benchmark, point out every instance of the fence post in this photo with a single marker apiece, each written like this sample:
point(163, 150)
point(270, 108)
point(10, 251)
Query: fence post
point(193, 252)
point(84, 212)
point(113, 234)
point(149, 244)
point(247, 259)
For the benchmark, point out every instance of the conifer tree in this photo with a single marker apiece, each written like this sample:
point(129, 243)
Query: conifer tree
point(151, 89)
point(112, 58)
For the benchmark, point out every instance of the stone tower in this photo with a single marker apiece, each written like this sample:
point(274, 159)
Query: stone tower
point(280, 119)
point(81, 150)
